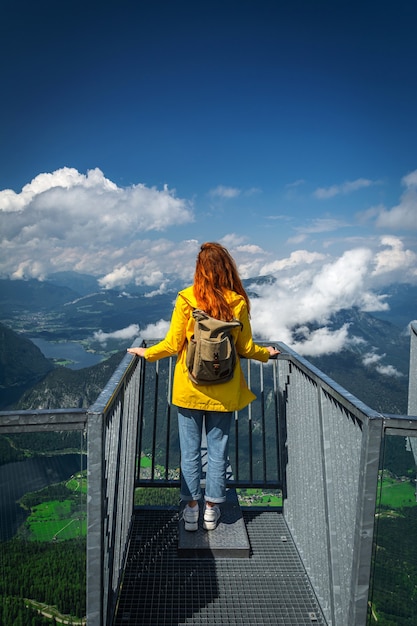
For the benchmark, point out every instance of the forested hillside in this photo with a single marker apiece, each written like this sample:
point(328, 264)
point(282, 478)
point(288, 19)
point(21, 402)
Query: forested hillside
point(381, 393)
point(22, 365)
point(28, 380)
point(63, 388)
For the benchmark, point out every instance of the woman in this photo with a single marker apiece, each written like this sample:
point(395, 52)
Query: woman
point(217, 290)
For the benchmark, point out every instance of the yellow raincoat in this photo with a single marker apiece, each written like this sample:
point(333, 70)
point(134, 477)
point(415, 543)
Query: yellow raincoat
point(229, 396)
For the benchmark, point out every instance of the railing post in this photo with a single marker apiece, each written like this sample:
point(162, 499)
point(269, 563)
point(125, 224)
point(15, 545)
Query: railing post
point(365, 520)
point(412, 380)
point(412, 384)
point(95, 519)
point(281, 367)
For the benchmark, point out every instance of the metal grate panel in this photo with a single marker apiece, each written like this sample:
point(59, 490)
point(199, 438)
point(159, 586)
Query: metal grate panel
point(162, 589)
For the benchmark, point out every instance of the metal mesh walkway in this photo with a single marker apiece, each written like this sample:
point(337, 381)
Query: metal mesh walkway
point(163, 589)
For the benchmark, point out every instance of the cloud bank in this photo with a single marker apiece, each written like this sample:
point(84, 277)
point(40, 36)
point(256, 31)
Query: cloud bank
point(309, 289)
point(66, 220)
point(296, 301)
point(70, 221)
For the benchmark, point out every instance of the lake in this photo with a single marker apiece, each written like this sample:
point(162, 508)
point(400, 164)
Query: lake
point(67, 351)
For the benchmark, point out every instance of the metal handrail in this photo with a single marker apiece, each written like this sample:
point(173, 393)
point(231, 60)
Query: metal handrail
point(257, 430)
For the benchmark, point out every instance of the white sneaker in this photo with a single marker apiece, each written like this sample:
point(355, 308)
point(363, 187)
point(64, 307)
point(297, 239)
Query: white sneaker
point(211, 517)
point(190, 517)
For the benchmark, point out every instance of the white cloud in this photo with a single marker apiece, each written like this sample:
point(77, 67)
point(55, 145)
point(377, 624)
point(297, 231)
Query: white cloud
point(394, 258)
point(152, 331)
point(64, 178)
point(410, 180)
point(130, 332)
point(155, 331)
point(163, 288)
point(297, 239)
point(322, 193)
point(307, 291)
point(322, 341)
point(150, 263)
point(310, 288)
point(225, 192)
point(298, 257)
point(233, 240)
point(68, 220)
point(141, 271)
point(389, 370)
point(250, 249)
point(373, 359)
point(322, 225)
point(402, 216)
point(339, 284)
point(54, 202)
point(120, 276)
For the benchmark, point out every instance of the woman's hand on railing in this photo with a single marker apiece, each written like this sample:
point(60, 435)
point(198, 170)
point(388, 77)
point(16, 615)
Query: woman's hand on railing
point(272, 351)
point(138, 351)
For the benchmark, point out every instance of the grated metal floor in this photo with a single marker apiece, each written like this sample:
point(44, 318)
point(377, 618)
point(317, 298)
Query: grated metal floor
point(161, 588)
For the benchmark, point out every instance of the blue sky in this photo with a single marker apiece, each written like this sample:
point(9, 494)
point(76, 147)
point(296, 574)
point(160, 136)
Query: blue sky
point(132, 131)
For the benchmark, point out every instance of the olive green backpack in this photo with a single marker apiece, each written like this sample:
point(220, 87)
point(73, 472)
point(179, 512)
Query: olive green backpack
point(211, 353)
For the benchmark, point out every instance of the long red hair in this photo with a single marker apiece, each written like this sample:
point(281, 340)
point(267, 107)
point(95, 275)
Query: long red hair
point(215, 273)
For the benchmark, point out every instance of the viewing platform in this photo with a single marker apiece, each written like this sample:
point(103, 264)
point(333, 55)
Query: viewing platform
point(110, 520)
point(163, 588)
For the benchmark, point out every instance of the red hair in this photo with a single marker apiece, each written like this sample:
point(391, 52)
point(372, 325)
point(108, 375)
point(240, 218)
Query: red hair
point(215, 273)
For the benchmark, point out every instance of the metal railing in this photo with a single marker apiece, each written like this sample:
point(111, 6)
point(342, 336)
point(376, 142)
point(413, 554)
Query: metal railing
point(333, 444)
point(112, 440)
point(256, 436)
point(333, 449)
point(304, 433)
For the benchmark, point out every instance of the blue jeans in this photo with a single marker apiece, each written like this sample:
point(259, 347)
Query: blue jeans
point(190, 425)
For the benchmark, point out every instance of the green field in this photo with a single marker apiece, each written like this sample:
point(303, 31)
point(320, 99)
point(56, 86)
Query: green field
point(396, 494)
point(78, 483)
point(259, 497)
point(56, 521)
point(58, 512)
point(145, 461)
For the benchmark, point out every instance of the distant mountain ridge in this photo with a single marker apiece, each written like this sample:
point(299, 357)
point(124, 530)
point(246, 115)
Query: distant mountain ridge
point(65, 388)
point(78, 302)
point(377, 344)
point(53, 312)
point(386, 394)
point(62, 312)
point(32, 295)
point(377, 336)
point(83, 284)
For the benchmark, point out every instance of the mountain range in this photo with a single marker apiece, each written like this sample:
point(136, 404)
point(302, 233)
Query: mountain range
point(71, 307)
